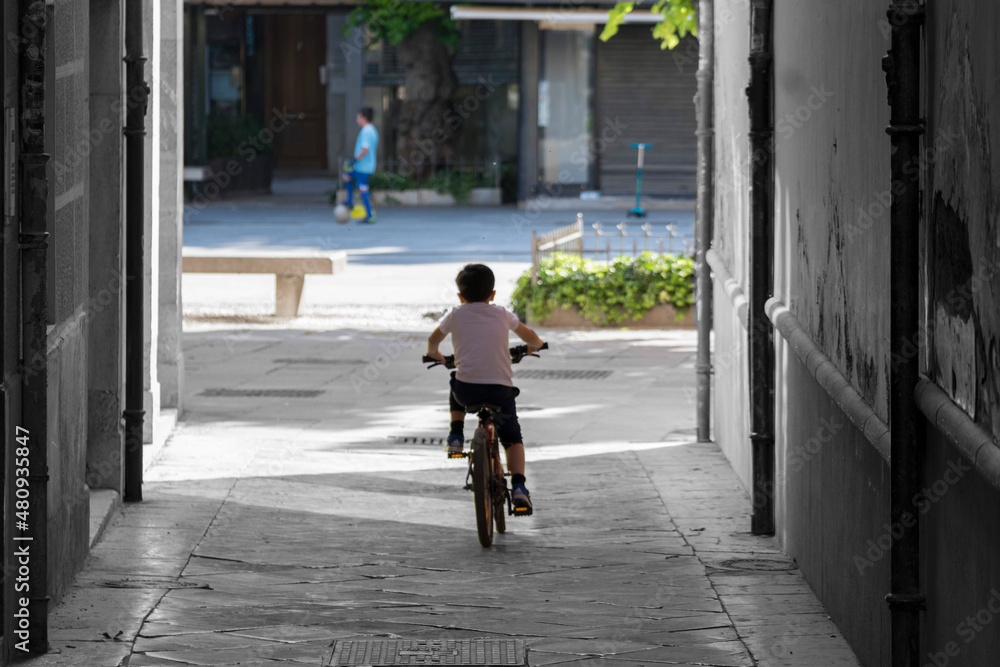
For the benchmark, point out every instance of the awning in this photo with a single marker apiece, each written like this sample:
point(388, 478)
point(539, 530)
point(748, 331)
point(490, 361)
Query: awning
point(224, 5)
point(551, 15)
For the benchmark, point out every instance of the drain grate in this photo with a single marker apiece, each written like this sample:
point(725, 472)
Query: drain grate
point(419, 440)
point(319, 361)
point(520, 408)
point(468, 652)
point(262, 393)
point(758, 564)
point(561, 375)
point(153, 582)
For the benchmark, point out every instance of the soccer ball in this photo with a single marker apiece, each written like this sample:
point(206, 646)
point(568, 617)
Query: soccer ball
point(342, 214)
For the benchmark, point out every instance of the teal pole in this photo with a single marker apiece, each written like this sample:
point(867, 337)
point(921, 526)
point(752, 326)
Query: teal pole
point(637, 212)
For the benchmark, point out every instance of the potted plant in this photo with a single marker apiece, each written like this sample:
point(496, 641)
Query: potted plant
point(648, 290)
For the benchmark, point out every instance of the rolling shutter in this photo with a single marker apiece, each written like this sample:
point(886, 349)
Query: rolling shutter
point(645, 94)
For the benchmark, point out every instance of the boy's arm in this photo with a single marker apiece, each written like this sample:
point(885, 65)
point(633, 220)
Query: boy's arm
point(433, 342)
point(528, 336)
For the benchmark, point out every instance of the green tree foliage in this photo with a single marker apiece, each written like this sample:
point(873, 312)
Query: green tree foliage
point(606, 293)
point(426, 39)
point(679, 20)
point(392, 21)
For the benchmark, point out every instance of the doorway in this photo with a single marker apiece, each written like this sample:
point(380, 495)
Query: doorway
point(295, 87)
point(565, 115)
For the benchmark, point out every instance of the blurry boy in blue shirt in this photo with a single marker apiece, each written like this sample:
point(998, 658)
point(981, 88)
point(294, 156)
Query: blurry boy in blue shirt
point(362, 165)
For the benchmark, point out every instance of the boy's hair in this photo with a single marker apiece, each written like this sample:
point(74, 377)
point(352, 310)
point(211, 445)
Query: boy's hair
point(475, 282)
point(367, 112)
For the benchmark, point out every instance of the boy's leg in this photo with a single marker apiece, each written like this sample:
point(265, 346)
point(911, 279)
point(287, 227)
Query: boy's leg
point(457, 424)
point(366, 199)
point(510, 432)
point(349, 184)
point(365, 196)
point(456, 436)
point(515, 459)
point(519, 495)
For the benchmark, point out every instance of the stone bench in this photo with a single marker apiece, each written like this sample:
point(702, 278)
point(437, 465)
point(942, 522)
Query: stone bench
point(289, 272)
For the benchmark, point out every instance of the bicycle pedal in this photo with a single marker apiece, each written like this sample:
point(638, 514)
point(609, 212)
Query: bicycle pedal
point(457, 456)
point(522, 511)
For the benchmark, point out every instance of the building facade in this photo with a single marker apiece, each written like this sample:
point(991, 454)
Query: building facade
point(542, 105)
point(64, 280)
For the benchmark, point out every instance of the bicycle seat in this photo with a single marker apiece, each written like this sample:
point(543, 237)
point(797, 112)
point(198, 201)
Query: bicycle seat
point(473, 408)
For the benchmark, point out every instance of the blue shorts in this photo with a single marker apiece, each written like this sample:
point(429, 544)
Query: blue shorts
point(361, 179)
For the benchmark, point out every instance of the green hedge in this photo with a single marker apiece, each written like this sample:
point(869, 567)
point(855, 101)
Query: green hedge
point(387, 180)
point(459, 184)
point(456, 183)
point(604, 293)
point(227, 134)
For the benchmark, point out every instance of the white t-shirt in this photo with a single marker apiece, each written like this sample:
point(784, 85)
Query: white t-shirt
point(479, 332)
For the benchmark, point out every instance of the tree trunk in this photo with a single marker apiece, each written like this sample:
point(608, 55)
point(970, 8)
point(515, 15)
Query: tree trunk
point(425, 125)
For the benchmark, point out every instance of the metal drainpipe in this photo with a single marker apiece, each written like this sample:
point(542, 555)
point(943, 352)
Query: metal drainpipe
point(33, 242)
point(706, 192)
point(902, 68)
point(135, 133)
point(759, 331)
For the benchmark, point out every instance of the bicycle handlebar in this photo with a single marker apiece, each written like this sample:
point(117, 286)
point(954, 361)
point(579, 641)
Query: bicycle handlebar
point(517, 353)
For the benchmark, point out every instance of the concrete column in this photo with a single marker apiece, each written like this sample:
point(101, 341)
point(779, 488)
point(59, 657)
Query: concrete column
point(151, 277)
point(528, 149)
point(105, 310)
point(354, 75)
point(170, 359)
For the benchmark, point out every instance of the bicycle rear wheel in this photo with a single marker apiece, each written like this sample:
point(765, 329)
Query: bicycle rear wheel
point(482, 470)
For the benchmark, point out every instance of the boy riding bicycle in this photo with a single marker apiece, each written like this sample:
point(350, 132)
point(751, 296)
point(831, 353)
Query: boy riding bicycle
point(479, 332)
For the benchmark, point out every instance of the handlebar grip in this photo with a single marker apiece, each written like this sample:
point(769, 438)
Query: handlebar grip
point(544, 346)
point(449, 361)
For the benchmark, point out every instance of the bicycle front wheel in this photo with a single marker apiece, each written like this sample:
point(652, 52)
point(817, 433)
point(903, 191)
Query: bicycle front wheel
point(500, 512)
point(482, 470)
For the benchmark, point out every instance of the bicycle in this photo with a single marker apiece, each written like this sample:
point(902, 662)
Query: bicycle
point(489, 480)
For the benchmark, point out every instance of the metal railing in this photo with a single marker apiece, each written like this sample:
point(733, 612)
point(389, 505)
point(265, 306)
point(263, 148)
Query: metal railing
point(572, 239)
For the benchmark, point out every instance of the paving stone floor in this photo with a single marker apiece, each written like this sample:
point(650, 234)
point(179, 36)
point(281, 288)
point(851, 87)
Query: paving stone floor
point(273, 527)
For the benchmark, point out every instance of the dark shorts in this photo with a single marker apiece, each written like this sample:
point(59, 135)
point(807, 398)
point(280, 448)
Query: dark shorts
point(465, 393)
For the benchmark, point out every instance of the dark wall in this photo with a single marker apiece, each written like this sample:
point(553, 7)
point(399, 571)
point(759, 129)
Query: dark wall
point(832, 190)
point(69, 510)
point(833, 487)
point(832, 184)
point(961, 560)
point(962, 250)
point(10, 406)
point(962, 157)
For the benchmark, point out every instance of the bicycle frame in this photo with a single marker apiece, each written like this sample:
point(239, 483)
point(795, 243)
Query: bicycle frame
point(499, 473)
